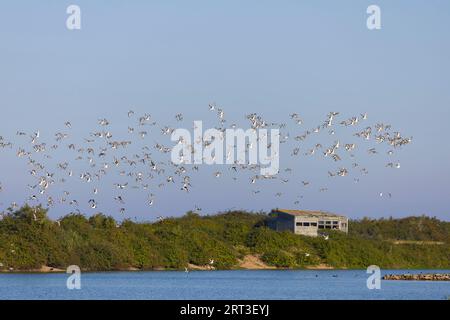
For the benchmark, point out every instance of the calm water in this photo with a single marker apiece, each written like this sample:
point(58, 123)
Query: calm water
point(273, 284)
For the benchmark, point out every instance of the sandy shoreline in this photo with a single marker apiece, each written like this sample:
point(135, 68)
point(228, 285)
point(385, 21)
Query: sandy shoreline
point(249, 262)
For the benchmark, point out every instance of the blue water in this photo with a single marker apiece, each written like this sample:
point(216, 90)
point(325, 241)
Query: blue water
point(246, 284)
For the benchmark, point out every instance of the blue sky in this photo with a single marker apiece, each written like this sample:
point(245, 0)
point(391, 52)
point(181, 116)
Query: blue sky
point(273, 58)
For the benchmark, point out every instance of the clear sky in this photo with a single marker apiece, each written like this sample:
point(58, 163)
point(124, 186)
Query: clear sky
point(269, 57)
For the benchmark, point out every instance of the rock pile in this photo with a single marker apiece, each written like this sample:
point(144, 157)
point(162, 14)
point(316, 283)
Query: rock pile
point(419, 277)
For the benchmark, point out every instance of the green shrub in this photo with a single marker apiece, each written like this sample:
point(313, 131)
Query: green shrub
point(28, 240)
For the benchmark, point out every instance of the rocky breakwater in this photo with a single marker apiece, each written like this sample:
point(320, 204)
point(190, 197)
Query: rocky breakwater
point(419, 277)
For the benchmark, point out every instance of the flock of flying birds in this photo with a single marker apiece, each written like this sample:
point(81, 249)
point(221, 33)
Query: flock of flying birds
point(109, 166)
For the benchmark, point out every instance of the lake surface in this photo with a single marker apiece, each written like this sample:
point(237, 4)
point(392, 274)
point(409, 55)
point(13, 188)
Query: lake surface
point(233, 285)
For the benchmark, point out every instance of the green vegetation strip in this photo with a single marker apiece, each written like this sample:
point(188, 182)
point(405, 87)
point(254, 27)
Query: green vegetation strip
point(30, 240)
